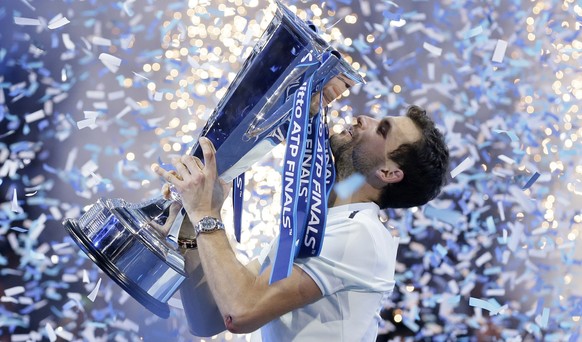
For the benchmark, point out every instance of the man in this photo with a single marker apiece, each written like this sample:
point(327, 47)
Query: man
point(332, 297)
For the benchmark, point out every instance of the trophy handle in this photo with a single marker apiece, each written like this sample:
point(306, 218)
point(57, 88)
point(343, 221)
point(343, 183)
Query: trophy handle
point(172, 236)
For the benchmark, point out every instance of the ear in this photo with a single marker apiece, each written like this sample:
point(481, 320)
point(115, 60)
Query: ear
point(387, 175)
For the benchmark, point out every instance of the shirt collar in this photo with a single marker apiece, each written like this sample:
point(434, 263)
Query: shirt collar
point(355, 207)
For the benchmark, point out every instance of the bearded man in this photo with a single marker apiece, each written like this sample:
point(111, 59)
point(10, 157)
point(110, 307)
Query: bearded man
point(336, 295)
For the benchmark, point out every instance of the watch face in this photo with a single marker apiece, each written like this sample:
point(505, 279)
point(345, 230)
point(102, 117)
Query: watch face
point(207, 224)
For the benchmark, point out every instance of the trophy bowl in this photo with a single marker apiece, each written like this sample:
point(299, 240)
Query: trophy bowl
point(124, 239)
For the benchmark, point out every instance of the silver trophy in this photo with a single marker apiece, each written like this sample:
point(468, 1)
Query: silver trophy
point(124, 239)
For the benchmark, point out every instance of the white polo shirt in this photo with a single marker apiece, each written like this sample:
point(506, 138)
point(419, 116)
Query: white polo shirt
point(353, 271)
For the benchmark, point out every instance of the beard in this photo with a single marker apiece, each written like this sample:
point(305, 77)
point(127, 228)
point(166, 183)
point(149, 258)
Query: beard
point(350, 158)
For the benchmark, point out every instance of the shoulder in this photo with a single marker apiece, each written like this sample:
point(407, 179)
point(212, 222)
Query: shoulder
point(355, 219)
point(355, 253)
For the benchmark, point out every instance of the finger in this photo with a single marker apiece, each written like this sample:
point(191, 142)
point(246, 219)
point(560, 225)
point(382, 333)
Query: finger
point(331, 93)
point(192, 163)
point(175, 174)
point(199, 163)
point(168, 176)
point(209, 156)
point(181, 168)
point(166, 190)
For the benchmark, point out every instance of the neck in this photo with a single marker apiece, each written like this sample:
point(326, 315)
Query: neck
point(364, 194)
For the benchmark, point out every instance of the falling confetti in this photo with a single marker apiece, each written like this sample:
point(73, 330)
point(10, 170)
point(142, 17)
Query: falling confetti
point(95, 291)
point(93, 92)
point(464, 165)
point(499, 52)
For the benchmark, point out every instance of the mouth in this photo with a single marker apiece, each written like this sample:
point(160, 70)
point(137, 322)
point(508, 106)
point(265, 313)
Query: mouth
point(347, 131)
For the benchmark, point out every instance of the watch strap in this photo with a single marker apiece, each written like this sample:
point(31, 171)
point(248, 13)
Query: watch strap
point(187, 243)
point(208, 224)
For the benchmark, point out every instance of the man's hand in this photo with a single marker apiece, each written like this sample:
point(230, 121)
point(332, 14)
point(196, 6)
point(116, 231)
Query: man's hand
point(203, 192)
point(331, 91)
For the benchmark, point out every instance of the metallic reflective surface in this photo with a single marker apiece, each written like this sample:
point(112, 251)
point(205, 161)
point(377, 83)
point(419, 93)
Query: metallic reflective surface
point(124, 242)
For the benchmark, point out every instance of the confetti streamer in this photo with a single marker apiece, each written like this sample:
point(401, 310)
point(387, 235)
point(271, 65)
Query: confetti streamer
point(411, 324)
point(474, 32)
point(500, 210)
point(491, 305)
point(503, 239)
point(67, 335)
point(67, 42)
point(483, 259)
point(506, 159)
point(50, 332)
point(56, 213)
point(39, 114)
point(50, 71)
point(59, 246)
point(449, 216)
point(95, 291)
point(515, 238)
point(6, 134)
point(453, 286)
point(37, 227)
point(13, 291)
point(348, 186)
point(519, 196)
point(14, 204)
point(431, 68)
point(88, 168)
point(531, 181)
point(495, 292)
point(111, 62)
point(28, 4)
point(432, 49)
point(90, 123)
point(544, 318)
point(499, 52)
point(58, 21)
point(463, 166)
point(101, 42)
point(510, 134)
point(26, 21)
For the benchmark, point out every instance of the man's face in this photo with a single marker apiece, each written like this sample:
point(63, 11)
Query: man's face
point(364, 147)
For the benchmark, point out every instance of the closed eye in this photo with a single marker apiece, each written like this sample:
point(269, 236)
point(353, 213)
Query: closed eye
point(383, 127)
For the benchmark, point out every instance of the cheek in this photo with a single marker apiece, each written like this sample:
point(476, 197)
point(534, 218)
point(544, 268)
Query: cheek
point(368, 157)
point(374, 148)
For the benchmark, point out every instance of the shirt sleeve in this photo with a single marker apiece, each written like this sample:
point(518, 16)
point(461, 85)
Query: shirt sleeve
point(353, 257)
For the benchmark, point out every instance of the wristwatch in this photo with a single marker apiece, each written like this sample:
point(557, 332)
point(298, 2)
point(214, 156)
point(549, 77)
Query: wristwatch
point(208, 225)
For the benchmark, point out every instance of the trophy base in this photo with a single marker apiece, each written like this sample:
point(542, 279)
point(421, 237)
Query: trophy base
point(157, 307)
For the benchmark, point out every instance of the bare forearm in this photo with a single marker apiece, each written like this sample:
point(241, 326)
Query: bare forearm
point(231, 283)
point(245, 300)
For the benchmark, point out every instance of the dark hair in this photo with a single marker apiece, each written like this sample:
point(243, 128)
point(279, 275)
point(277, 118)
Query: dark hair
point(424, 164)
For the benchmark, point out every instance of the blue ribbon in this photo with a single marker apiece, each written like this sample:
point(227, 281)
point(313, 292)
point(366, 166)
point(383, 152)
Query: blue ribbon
point(308, 176)
point(296, 140)
point(306, 181)
point(237, 204)
point(311, 239)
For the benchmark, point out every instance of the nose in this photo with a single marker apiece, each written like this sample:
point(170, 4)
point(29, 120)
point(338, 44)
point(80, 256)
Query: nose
point(365, 121)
